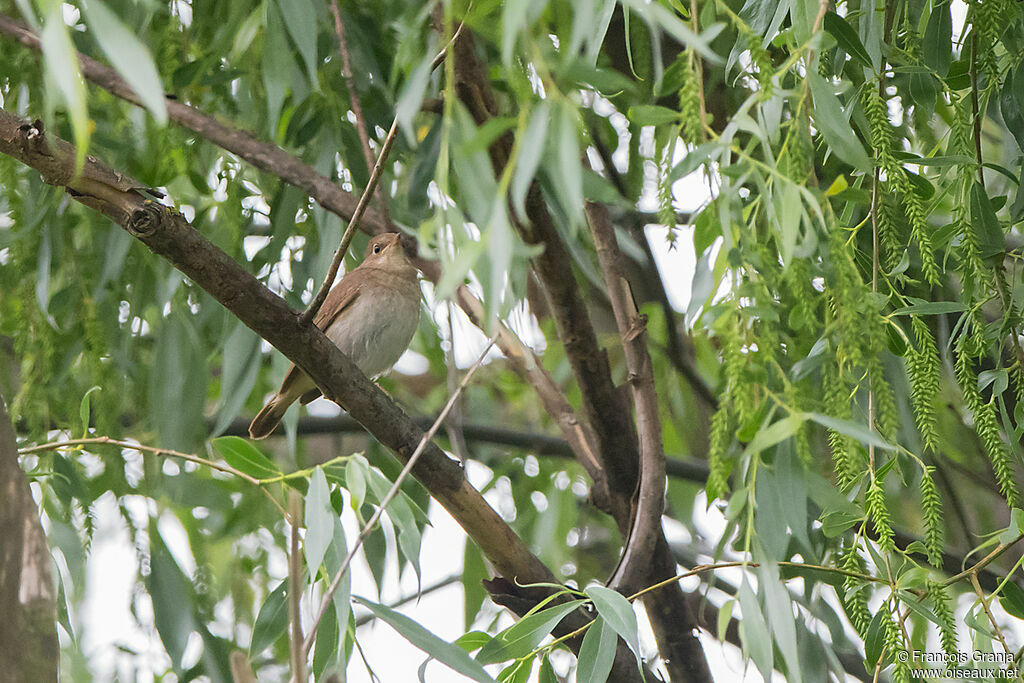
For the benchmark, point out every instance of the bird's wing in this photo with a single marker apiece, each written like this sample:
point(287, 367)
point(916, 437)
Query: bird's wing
point(338, 299)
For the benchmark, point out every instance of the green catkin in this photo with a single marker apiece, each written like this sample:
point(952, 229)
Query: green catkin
point(985, 421)
point(855, 593)
point(734, 364)
point(666, 209)
point(924, 368)
point(719, 465)
point(837, 404)
point(947, 623)
point(898, 184)
point(887, 417)
point(889, 237)
point(935, 530)
point(894, 643)
point(689, 102)
point(878, 513)
point(800, 438)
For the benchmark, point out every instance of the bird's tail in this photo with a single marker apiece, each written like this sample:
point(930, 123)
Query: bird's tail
point(266, 420)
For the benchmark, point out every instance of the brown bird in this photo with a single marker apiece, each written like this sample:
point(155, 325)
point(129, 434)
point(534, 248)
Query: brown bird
point(371, 315)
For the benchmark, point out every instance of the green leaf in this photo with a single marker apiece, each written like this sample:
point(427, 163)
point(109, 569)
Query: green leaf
point(61, 60)
point(991, 241)
point(530, 152)
point(569, 178)
point(547, 672)
point(847, 38)
point(514, 19)
point(1011, 597)
point(654, 14)
point(271, 621)
point(937, 48)
point(779, 607)
point(597, 653)
point(411, 96)
point(474, 640)
point(245, 457)
point(172, 596)
point(931, 308)
point(617, 613)
point(83, 411)
point(653, 115)
point(327, 641)
point(128, 55)
point(857, 431)
point(300, 20)
point(240, 369)
point(1011, 103)
point(520, 638)
point(355, 480)
point(336, 553)
point(757, 640)
point(778, 431)
point(277, 64)
point(834, 127)
point(319, 520)
point(449, 654)
point(875, 639)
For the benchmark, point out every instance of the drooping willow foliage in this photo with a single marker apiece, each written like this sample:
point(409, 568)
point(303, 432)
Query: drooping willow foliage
point(884, 295)
point(856, 306)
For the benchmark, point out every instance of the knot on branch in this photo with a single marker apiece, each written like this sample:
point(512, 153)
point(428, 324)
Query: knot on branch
point(147, 220)
point(637, 326)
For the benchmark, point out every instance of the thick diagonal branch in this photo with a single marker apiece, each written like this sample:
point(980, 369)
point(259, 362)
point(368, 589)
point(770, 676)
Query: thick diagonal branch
point(264, 156)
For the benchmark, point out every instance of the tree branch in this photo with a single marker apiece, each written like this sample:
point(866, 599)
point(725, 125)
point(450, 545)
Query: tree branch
point(616, 441)
point(264, 156)
point(636, 557)
point(602, 406)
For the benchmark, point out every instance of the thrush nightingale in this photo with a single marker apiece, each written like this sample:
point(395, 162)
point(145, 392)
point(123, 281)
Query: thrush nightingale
point(370, 315)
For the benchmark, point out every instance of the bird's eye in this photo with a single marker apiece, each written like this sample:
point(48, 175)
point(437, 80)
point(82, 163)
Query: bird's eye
point(376, 249)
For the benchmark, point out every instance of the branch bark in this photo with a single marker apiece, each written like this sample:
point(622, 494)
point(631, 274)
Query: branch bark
point(671, 618)
point(603, 408)
point(28, 629)
point(262, 155)
point(636, 558)
point(166, 233)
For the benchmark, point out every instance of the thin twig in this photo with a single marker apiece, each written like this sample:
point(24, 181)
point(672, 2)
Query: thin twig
point(350, 231)
point(991, 619)
point(364, 201)
point(298, 658)
point(453, 426)
point(392, 492)
point(443, 583)
point(106, 440)
point(984, 562)
point(356, 103)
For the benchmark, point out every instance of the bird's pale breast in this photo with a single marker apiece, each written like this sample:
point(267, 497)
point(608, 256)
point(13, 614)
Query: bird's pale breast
point(375, 330)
